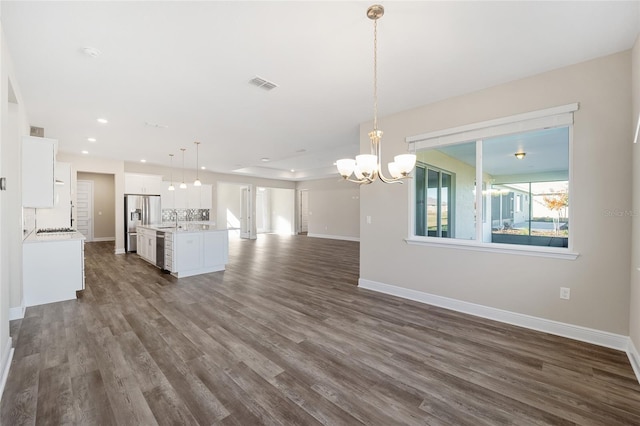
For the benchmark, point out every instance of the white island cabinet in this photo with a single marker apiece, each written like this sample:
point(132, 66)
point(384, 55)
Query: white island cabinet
point(193, 249)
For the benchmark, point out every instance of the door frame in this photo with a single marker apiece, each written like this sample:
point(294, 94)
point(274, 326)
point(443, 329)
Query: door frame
point(89, 237)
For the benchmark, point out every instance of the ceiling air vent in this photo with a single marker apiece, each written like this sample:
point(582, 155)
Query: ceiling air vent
point(37, 131)
point(262, 83)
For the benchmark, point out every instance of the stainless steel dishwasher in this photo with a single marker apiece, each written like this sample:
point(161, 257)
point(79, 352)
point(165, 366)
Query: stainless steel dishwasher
point(160, 249)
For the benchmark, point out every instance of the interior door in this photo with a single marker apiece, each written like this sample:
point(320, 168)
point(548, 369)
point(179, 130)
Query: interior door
point(84, 209)
point(245, 212)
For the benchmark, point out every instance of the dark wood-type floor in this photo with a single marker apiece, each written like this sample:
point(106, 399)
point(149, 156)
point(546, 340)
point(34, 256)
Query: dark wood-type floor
point(285, 337)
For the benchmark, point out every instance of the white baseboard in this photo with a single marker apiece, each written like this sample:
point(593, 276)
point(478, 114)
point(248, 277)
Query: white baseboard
point(576, 332)
point(103, 239)
point(17, 312)
point(119, 251)
point(5, 364)
point(334, 237)
point(634, 358)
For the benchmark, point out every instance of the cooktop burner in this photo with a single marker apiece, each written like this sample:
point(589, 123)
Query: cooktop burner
point(55, 231)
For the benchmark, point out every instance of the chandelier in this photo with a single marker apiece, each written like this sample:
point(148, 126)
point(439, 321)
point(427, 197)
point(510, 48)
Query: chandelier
point(367, 167)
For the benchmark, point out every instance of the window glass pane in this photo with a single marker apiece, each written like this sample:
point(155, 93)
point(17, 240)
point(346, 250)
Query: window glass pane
point(445, 182)
point(528, 198)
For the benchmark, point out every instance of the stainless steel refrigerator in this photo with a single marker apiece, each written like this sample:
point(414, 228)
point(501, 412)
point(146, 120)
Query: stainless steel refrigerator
point(139, 210)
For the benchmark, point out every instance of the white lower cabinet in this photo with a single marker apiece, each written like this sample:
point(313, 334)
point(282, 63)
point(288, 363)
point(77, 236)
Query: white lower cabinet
point(200, 252)
point(189, 251)
point(147, 244)
point(52, 271)
point(168, 252)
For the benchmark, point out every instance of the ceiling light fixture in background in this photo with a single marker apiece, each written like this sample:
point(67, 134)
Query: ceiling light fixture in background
point(102, 120)
point(367, 167)
point(520, 155)
point(183, 185)
point(197, 181)
point(171, 187)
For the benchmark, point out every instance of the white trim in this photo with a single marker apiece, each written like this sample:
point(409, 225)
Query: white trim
point(17, 312)
point(119, 251)
point(576, 332)
point(634, 358)
point(523, 250)
point(5, 365)
point(103, 239)
point(550, 117)
point(334, 237)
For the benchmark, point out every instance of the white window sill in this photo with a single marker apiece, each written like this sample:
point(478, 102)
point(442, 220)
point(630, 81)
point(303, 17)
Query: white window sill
point(553, 252)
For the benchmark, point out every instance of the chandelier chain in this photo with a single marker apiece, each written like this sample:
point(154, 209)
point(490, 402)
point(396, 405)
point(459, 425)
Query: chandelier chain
point(375, 74)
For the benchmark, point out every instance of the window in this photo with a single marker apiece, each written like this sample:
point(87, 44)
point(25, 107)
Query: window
point(524, 200)
point(435, 192)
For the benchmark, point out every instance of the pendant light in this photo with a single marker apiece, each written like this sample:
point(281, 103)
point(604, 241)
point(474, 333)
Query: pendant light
point(183, 185)
point(171, 187)
point(197, 181)
point(366, 168)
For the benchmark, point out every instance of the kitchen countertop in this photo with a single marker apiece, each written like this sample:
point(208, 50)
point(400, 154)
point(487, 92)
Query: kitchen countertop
point(48, 238)
point(184, 227)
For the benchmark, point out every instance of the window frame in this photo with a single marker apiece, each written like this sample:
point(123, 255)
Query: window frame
point(560, 116)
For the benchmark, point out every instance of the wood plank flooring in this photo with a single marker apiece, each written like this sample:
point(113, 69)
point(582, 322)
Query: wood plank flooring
point(285, 337)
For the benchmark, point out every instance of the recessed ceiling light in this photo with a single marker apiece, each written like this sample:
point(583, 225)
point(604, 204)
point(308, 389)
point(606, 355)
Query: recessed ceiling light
point(264, 159)
point(143, 161)
point(292, 170)
point(92, 139)
point(102, 120)
point(91, 51)
point(203, 168)
point(85, 152)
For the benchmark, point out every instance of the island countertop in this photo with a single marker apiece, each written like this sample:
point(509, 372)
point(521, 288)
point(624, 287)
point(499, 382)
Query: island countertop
point(184, 227)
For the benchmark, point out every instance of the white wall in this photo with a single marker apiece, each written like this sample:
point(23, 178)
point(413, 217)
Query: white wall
point(104, 166)
point(334, 207)
point(634, 318)
point(228, 205)
point(601, 170)
point(13, 125)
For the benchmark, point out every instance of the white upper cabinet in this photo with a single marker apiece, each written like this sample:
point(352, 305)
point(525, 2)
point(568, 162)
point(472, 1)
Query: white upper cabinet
point(38, 168)
point(59, 216)
point(142, 184)
point(193, 197)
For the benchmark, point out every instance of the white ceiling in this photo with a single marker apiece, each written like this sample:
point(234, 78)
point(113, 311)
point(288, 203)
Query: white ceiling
point(186, 66)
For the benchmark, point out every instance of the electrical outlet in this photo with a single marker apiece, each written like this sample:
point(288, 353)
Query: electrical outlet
point(368, 220)
point(565, 293)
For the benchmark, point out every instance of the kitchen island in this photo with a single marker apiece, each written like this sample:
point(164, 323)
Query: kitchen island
point(188, 249)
